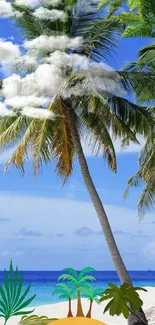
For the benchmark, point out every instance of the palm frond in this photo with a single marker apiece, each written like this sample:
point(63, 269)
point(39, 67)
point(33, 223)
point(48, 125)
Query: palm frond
point(71, 271)
point(63, 146)
point(100, 139)
point(21, 152)
point(13, 299)
point(11, 128)
point(113, 5)
point(102, 39)
point(86, 270)
point(145, 174)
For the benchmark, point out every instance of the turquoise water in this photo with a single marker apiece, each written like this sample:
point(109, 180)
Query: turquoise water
point(43, 283)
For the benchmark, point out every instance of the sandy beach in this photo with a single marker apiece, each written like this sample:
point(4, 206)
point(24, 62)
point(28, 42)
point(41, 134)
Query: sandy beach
point(59, 310)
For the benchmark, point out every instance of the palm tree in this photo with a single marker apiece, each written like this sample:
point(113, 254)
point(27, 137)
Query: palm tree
point(65, 292)
point(123, 300)
point(79, 281)
point(139, 18)
point(140, 23)
point(82, 99)
point(146, 175)
point(146, 172)
point(92, 295)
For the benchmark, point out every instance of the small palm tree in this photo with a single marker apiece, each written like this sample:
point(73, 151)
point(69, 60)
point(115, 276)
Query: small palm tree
point(123, 300)
point(65, 292)
point(79, 281)
point(92, 295)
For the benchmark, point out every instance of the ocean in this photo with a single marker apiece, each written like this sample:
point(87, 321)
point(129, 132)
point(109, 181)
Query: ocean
point(43, 283)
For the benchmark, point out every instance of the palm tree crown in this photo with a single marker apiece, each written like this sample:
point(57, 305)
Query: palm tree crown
point(55, 71)
point(65, 292)
point(93, 294)
point(77, 278)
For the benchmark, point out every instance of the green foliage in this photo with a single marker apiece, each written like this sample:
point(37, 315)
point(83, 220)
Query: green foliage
point(122, 300)
point(133, 4)
point(13, 298)
point(101, 39)
point(146, 174)
point(139, 19)
point(46, 140)
point(78, 281)
point(65, 292)
point(92, 294)
point(36, 320)
point(114, 5)
point(75, 278)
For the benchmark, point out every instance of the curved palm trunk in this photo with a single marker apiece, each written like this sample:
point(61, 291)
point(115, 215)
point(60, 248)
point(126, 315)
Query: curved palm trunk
point(117, 259)
point(79, 306)
point(69, 308)
point(90, 309)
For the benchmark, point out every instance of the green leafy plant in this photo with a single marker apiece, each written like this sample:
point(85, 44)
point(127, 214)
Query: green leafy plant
point(79, 281)
point(123, 300)
point(138, 19)
point(66, 293)
point(92, 295)
point(13, 298)
point(36, 320)
point(138, 16)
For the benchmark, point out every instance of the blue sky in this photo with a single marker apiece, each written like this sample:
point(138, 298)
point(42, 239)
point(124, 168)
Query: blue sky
point(44, 226)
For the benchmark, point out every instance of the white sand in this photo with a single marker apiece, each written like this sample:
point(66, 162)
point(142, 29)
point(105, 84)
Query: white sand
point(59, 310)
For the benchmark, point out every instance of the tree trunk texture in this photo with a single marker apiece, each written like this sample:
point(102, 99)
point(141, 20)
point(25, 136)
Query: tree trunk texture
point(79, 306)
point(94, 196)
point(69, 308)
point(90, 309)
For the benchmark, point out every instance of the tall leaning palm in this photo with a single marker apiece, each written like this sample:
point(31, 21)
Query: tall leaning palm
point(61, 93)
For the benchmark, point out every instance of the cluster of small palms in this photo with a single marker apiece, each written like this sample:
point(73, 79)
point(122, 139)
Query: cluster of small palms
point(77, 286)
point(121, 300)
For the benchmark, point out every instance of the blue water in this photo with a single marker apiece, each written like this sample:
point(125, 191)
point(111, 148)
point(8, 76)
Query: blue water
point(43, 283)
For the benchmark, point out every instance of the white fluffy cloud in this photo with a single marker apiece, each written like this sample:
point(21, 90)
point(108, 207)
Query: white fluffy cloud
point(23, 101)
point(11, 59)
point(62, 59)
point(8, 49)
point(28, 3)
point(21, 63)
point(53, 3)
point(6, 10)
point(44, 82)
point(53, 15)
point(4, 111)
point(36, 3)
point(38, 113)
point(17, 86)
point(44, 44)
